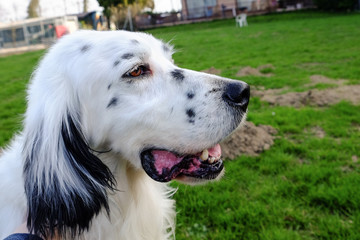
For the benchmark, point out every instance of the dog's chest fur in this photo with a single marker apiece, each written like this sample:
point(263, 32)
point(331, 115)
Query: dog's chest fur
point(140, 209)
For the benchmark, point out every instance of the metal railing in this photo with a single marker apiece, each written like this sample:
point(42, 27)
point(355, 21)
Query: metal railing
point(228, 9)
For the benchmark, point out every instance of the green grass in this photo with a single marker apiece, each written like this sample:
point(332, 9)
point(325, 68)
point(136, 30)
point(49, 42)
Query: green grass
point(15, 72)
point(304, 187)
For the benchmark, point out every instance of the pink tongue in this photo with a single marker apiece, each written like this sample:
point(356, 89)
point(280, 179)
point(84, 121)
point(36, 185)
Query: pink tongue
point(164, 159)
point(167, 160)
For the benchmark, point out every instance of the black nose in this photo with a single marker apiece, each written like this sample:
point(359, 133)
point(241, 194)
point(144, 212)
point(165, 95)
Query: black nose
point(237, 95)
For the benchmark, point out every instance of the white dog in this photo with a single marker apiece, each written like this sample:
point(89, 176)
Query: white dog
point(110, 119)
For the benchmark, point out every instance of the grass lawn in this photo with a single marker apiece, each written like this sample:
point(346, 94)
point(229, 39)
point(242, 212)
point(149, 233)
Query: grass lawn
point(304, 187)
point(15, 72)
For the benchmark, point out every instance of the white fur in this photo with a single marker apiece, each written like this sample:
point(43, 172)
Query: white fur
point(79, 76)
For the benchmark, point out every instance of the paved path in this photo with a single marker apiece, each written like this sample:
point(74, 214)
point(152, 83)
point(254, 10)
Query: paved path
point(19, 50)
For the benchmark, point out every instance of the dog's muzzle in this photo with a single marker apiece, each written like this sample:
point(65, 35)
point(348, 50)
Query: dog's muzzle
point(165, 165)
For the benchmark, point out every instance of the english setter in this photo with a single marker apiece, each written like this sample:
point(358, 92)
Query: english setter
point(110, 121)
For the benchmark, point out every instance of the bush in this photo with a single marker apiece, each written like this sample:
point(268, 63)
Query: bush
point(336, 5)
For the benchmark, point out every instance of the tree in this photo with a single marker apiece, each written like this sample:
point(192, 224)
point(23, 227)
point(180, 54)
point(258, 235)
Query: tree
point(85, 6)
point(109, 4)
point(120, 13)
point(33, 9)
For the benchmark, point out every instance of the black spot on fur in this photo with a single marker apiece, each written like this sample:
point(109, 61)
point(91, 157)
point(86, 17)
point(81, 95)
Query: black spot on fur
point(190, 95)
point(109, 86)
point(127, 56)
point(116, 63)
point(85, 48)
point(178, 75)
point(190, 113)
point(192, 121)
point(113, 102)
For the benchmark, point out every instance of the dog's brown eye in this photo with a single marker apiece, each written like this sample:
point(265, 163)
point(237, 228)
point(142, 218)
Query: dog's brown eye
point(137, 72)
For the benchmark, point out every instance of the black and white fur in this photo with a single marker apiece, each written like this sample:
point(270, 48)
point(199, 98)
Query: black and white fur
point(75, 171)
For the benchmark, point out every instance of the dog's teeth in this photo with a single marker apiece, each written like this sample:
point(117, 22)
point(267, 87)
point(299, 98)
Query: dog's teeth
point(211, 160)
point(204, 155)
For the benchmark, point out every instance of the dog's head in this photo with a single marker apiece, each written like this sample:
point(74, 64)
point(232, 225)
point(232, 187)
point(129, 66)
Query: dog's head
point(121, 92)
point(160, 117)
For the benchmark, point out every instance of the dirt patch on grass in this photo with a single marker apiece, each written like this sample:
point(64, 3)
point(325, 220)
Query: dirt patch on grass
point(316, 97)
point(313, 97)
point(316, 131)
point(356, 126)
point(212, 70)
point(261, 71)
point(318, 79)
point(250, 140)
point(352, 165)
point(310, 65)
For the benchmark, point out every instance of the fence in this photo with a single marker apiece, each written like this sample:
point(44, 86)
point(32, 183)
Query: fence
point(198, 10)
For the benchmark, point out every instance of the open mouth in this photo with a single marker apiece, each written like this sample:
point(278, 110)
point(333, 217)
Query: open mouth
point(164, 166)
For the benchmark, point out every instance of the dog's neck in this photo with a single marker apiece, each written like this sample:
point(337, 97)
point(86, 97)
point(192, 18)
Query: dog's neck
point(138, 204)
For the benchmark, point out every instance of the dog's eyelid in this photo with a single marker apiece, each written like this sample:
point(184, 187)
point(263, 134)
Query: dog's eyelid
point(137, 71)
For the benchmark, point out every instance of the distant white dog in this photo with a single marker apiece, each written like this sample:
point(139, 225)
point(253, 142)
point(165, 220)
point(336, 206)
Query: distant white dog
point(109, 120)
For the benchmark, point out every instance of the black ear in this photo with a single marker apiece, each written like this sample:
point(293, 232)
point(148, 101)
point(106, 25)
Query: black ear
point(65, 192)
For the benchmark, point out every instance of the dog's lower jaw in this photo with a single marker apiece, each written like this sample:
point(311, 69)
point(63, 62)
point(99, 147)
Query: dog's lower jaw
point(197, 181)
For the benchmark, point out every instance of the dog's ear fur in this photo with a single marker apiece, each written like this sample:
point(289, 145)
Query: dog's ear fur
point(65, 183)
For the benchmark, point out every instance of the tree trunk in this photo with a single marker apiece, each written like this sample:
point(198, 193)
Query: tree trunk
point(108, 16)
point(85, 6)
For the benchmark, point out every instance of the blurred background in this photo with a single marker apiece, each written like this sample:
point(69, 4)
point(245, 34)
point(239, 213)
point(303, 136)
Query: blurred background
point(31, 22)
